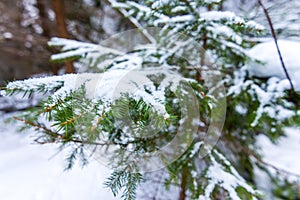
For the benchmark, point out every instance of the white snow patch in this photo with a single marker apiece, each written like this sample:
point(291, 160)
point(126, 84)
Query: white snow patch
point(267, 53)
point(230, 17)
point(218, 176)
point(107, 86)
point(284, 153)
point(212, 1)
point(176, 19)
point(7, 35)
point(29, 171)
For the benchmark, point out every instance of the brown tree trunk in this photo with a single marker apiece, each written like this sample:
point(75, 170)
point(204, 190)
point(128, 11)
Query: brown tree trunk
point(183, 184)
point(58, 8)
point(45, 23)
point(43, 17)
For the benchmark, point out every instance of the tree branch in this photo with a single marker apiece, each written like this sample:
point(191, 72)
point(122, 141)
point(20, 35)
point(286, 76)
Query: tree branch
point(56, 135)
point(277, 47)
point(133, 22)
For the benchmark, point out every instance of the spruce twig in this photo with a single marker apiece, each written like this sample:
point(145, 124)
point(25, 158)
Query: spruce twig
point(56, 135)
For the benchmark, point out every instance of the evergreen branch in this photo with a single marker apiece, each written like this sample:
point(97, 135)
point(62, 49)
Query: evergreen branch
point(51, 107)
point(98, 121)
point(32, 85)
point(71, 159)
point(69, 121)
point(133, 22)
point(187, 3)
point(39, 127)
point(123, 178)
point(76, 153)
point(115, 181)
point(57, 135)
point(277, 47)
point(72, 49)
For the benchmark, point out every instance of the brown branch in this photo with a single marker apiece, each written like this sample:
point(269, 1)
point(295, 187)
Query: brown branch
point(38, 126)
point(277, 47)
point(277, 169)
point(56, 135)
point(49, 108)
point(13, 108)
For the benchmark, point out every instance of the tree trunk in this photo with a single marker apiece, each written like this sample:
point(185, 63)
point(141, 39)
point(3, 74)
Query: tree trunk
point(183, 184)
point(58, 8)
point(45, 23)
point(44, 19)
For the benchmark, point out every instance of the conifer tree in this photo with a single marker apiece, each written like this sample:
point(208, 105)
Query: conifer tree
point(155, 98)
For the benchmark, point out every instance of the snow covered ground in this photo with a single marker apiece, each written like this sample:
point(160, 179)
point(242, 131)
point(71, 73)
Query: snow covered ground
point(267, 53)
point(29, 171)
point(285, 153)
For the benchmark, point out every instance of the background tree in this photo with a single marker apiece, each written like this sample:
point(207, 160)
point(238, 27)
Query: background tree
point(58, 8)
point(284, 14)
point(22, 20)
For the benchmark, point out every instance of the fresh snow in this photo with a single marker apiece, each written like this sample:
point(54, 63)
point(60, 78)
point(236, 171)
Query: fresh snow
point(78, 48)
point(266, 52)
point(269, 66)
point(7, 35)
point(182, 18)
point(230, 17)
point(284, 153)
point(212, 1)
point(30, 171)
point(229, 180)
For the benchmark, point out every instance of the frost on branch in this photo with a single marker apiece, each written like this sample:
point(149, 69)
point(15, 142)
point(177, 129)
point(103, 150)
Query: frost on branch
point(221, 174)
point(106, 87)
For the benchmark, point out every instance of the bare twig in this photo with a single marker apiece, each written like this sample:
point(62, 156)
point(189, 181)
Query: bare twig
point(38, 127)
point(277, 47)
point(261, 161)
point(277, 169)
point(133, 22)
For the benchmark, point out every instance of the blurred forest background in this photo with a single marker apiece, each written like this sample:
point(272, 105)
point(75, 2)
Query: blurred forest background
point(27, 25)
